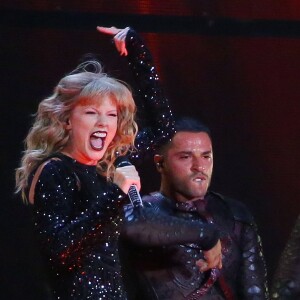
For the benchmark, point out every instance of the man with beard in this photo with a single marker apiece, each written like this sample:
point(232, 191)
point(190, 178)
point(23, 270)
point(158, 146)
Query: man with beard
point(173, 272)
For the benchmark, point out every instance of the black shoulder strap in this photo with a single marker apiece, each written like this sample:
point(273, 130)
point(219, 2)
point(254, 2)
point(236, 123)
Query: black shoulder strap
point(54, 157)
point(36, 178)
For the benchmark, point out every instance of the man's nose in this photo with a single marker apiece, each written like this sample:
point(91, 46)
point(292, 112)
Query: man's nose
point(198, 164)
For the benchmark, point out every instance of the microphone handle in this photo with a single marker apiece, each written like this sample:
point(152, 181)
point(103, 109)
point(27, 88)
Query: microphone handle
point(135, 196)
point(133, 192)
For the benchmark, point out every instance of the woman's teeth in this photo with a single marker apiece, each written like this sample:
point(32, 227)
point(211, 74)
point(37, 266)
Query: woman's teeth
point(97, 140)
point(99, 134)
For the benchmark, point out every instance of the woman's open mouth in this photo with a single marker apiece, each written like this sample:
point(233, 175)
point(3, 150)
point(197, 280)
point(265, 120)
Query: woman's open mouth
point(97, 140)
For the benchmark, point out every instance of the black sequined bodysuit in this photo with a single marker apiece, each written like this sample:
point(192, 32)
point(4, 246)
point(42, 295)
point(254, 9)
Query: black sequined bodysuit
point(286, 284)
point(77, 211)
point(164, 271)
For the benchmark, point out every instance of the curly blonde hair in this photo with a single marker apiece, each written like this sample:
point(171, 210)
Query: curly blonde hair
point(48, 133)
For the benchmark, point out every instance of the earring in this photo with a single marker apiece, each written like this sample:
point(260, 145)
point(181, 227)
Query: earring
point(159, 164)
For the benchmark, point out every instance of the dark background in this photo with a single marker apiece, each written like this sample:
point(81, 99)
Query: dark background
point(234, 65)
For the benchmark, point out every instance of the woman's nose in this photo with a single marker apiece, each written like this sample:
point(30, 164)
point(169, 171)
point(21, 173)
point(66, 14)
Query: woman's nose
point(101, 120)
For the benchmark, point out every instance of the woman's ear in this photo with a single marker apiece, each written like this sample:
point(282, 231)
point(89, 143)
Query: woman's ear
point(68, 125)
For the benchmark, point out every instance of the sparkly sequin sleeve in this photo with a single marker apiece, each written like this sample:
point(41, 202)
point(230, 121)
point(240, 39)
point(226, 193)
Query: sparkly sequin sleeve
point(286, 283)
point(159, 125)
point(151, 227)
point(68, 225)
point(253, 274)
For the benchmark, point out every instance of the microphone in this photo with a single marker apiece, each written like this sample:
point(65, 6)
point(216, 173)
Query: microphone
point(133, 192)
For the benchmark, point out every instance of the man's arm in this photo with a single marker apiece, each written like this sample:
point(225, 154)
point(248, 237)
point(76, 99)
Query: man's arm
point(148, 227)
point(253, 278)
point(286, 283)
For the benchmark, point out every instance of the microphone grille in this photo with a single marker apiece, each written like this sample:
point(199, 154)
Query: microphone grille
point(122, 161)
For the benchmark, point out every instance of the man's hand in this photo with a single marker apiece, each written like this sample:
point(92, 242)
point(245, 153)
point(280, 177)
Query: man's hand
point(212, 258)
point(119, 37)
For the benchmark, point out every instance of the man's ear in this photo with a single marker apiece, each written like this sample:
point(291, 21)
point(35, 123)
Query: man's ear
point(158, 160)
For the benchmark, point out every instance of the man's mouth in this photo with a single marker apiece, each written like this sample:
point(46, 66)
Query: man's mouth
point(97, 140)
point(200, 178)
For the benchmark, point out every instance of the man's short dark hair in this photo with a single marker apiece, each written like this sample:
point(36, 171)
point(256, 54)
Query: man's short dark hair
point(186, 124)
point(191, 125)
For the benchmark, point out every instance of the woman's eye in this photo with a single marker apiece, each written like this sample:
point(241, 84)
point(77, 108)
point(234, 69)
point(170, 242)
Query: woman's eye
point(90, 112)
point(113, 115)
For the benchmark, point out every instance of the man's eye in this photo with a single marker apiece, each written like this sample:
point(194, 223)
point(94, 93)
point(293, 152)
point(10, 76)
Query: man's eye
point(184, 157)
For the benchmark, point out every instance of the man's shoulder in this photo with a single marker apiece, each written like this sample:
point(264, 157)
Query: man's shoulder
point(154, 197)
point(238, 209)
point(156, 200)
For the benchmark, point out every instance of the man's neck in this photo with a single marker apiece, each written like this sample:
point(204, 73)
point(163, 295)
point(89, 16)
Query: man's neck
point(178, 197)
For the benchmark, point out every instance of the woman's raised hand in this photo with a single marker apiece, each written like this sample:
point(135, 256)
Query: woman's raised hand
point(119, 37)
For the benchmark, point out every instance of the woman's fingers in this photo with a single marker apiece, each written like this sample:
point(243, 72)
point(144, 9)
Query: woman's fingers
point(108, 30)
point(126, 176)
point(119, 37)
